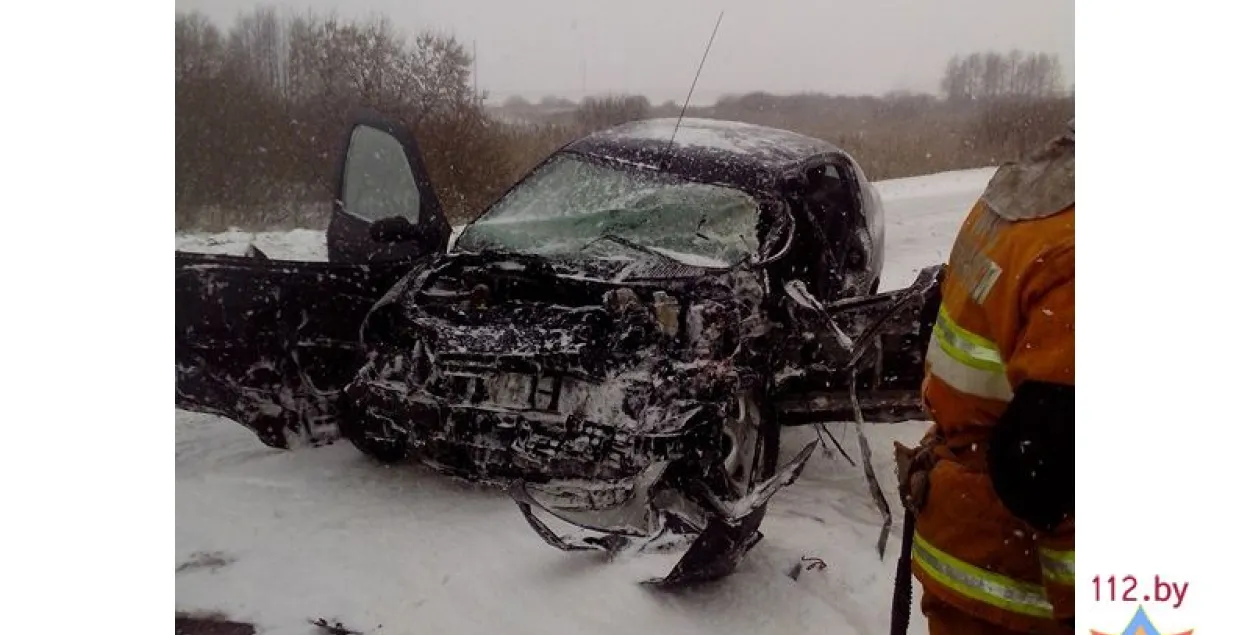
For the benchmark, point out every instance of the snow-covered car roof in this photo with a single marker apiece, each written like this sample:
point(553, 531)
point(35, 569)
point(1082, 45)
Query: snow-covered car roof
point(745, 155)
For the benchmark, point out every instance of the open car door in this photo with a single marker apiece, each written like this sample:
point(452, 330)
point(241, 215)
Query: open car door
point(270, 343)
point(385, 208)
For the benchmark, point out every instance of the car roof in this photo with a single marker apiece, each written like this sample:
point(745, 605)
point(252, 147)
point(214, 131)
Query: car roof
point(744, 155)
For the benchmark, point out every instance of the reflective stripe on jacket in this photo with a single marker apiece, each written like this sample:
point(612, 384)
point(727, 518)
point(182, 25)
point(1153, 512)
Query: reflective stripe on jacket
point(1007, 316)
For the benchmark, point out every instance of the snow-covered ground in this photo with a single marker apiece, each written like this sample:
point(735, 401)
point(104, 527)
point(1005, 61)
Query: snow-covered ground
point(277, 538)
point(299, 244)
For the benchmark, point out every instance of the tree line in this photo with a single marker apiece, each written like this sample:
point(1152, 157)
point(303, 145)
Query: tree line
point(993, 75)
point(260, 110)
point(261, 106)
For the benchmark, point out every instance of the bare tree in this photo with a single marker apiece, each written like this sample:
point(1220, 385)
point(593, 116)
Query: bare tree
point(258, 45)
point(259, 109)
point(991, 75)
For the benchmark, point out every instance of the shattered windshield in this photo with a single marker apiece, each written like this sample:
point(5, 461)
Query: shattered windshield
point(575, 207)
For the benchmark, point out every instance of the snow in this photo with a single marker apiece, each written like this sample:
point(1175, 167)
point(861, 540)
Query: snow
point(694, 132)
point(278, 538)
point(300, 244)
point(922, 216)
point(729, 136)
point(694, 260)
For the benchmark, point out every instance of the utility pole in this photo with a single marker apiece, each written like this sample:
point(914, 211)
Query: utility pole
point(476, 94)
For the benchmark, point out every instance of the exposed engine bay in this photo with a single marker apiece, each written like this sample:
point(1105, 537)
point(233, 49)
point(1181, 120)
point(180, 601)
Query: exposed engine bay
point(616, 341)
point(632, 409)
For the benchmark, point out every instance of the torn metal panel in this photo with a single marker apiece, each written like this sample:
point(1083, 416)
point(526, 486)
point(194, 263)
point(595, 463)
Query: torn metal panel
point(617, 339)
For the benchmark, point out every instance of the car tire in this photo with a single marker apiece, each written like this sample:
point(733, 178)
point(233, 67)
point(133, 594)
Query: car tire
point(770, 435)
point(383, 451)
point(389, 451)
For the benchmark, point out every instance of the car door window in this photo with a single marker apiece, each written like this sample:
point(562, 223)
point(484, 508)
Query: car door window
point(825, 198)
point(828, 200)
point(377, 180)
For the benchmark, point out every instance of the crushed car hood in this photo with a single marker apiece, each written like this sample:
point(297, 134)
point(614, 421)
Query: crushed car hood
point(608, 375)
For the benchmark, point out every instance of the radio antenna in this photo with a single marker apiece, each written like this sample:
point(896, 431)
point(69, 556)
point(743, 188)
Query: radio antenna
point(689, 94)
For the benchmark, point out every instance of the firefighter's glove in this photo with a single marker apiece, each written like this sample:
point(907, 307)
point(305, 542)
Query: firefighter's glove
point(913, 466)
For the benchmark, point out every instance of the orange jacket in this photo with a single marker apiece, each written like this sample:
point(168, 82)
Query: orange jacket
point(1007, 316)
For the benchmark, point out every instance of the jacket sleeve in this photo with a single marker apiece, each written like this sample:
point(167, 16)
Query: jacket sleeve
point(1044, 347)
point(1032, 451)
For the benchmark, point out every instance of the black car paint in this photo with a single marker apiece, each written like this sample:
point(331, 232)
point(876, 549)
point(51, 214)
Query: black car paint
point(332, 343)
point(349, 238)
point(270, 343)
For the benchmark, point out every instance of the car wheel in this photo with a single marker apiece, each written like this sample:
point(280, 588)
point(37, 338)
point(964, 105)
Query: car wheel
point(388, 450)
point(755, 420)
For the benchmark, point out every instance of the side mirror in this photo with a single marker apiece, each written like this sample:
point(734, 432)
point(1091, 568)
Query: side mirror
point(394, 229)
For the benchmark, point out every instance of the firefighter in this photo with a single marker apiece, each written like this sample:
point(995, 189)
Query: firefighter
point(991, 485)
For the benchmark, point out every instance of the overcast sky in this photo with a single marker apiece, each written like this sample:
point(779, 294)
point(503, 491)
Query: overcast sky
point(539, 47)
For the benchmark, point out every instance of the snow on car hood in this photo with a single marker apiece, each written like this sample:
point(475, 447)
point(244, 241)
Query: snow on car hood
point(694, 260)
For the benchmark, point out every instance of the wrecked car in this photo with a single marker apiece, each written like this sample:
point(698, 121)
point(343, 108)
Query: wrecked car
point(617, 339)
